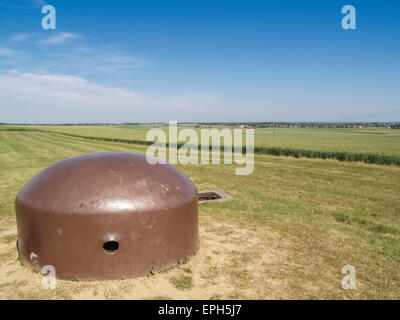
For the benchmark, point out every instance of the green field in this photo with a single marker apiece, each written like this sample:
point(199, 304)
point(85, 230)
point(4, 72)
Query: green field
point(370, 145)
point(292, 226)
point(367, 140)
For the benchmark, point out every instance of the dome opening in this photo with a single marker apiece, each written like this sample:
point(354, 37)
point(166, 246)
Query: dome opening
point(111, 247)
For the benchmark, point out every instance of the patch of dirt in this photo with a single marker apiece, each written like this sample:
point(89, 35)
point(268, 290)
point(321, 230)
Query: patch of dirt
point(232, 262)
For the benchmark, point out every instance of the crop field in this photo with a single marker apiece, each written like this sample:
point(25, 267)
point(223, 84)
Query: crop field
point(292, 226)
point(370, 145)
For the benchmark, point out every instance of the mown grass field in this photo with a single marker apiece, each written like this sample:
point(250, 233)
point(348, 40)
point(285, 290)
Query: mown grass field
point(292, 226)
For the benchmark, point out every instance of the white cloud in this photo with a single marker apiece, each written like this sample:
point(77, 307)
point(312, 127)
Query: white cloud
point(59, 38)
point(40, 2)
point(20, 37)
point(29, 97)
point(30, 52)
point(120, 59)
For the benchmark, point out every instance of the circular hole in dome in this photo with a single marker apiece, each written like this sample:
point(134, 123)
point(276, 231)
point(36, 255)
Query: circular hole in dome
point(111, 247)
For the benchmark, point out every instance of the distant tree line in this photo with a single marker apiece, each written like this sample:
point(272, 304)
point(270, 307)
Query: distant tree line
point(392, 125)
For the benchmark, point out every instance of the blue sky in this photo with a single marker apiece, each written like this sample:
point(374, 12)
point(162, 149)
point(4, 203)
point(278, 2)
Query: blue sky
point(144, 61)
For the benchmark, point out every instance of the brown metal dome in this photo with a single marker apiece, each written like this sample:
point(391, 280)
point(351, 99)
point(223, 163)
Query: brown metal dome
point(106, 216)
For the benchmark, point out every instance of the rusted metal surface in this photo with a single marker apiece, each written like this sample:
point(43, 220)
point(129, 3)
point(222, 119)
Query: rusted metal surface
point(106, 216)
